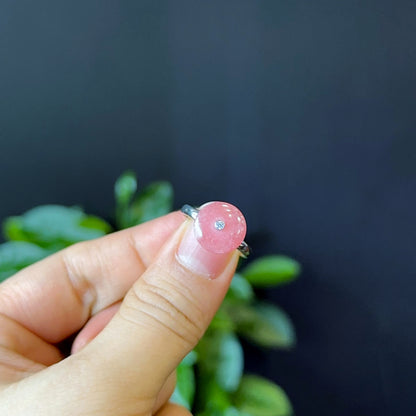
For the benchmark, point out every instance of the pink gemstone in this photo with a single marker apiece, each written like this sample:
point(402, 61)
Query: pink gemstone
point(220, 227)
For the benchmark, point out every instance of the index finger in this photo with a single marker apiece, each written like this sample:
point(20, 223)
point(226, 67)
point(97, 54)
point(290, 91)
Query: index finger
point(55, 297)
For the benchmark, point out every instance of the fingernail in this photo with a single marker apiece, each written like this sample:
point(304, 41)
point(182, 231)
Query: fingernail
point(211, 238)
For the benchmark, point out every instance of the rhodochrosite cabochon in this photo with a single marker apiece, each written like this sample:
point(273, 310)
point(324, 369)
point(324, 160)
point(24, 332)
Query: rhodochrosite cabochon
point(220, 227)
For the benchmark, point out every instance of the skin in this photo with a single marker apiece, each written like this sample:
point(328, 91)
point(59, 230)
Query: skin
point(136, 312)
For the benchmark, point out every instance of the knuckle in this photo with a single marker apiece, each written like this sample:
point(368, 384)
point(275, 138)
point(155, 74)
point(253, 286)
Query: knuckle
point(80, 285)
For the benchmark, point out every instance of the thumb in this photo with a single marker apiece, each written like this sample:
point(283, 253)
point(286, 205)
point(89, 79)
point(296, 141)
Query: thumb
point(167, 310)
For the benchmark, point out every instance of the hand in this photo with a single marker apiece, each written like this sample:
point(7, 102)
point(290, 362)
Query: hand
point(139, 299)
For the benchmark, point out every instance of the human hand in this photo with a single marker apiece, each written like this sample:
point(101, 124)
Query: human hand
point(139, 299)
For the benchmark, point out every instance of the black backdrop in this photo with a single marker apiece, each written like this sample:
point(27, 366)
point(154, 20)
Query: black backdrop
point(302, 113)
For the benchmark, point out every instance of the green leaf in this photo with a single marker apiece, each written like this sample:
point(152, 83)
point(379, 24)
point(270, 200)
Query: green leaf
point(240, 289)
point(13, 229)
point(230, 362)
point(211, 398)
point(124, 191)
point(125, 188)
point(95, 223)
point(263, 323)
point(260, 397)
point(233, 411)
point(222, 321)
point(271, 270)
point(154, 201)
point(54, 226)
point(15, 255)
point(190, 359)
point(222, 359)
point(185, 386)
point(5, 274)
point(230, 411)
point(178, 398)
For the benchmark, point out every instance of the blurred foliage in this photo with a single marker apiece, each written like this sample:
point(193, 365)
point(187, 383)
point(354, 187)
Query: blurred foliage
point(271, 271)
point(210, 380)
point(131, 208)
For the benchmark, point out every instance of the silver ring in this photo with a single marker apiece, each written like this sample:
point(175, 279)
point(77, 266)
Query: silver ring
point(192, 212)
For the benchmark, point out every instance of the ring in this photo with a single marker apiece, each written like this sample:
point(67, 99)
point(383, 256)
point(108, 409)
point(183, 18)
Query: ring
point(192, 212)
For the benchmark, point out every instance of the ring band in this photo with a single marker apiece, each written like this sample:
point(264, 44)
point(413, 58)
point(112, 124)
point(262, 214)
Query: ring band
point(192, 212)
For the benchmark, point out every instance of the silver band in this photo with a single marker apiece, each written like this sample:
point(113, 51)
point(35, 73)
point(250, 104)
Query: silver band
point(192, 212)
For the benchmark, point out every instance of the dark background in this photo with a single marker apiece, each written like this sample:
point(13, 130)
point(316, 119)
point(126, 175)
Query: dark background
point(302, 113)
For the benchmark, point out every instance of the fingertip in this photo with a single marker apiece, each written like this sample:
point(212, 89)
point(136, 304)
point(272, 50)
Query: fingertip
point(172, 409)
point(93, 327)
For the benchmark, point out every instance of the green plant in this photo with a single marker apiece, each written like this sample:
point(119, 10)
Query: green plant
point(210, 380)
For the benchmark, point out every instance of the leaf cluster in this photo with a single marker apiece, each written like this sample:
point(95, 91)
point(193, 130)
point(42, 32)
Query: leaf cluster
point(211, 379)
point(220, 386)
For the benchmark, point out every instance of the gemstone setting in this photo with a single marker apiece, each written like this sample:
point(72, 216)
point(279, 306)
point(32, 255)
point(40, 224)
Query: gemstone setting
point(219, 225)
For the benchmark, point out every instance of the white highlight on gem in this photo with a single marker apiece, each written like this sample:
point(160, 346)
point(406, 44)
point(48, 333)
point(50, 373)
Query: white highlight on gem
point(219, 225)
